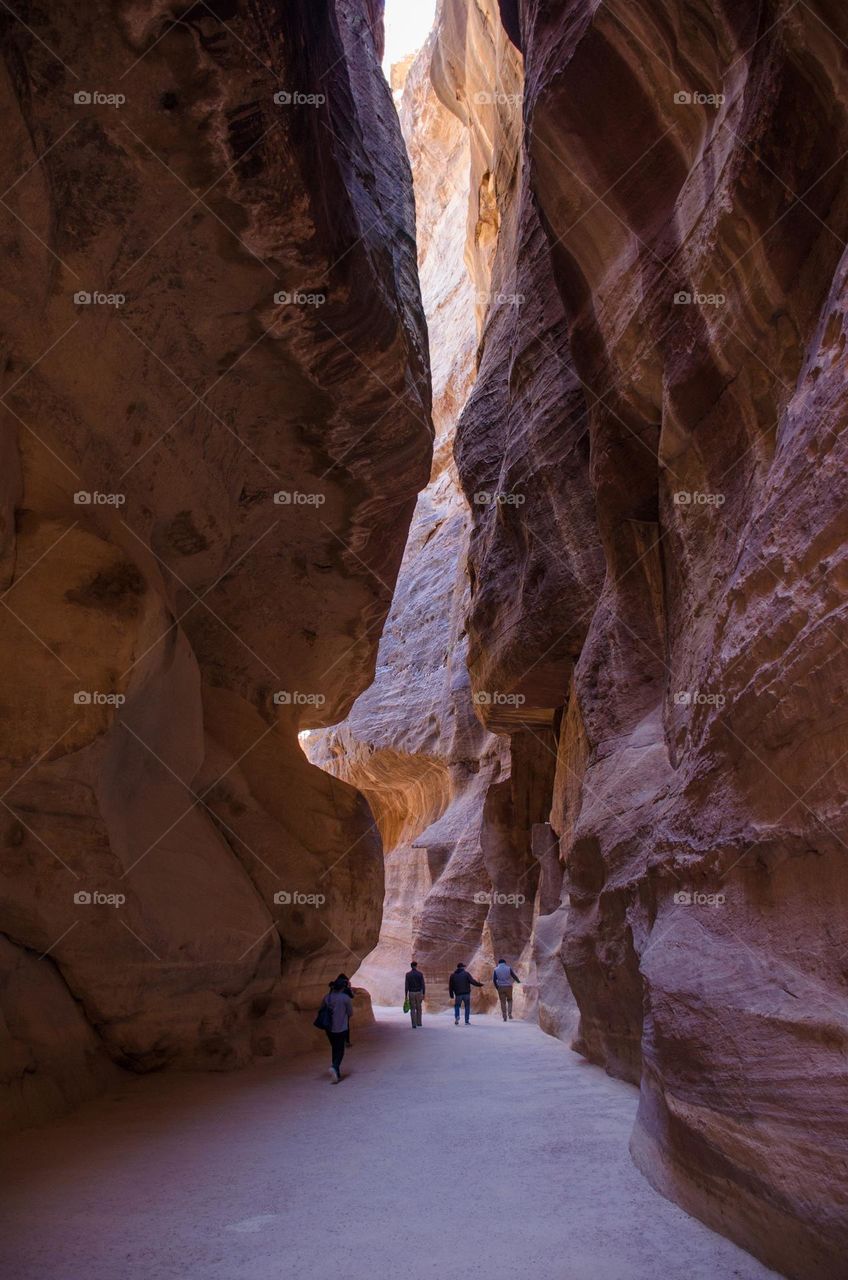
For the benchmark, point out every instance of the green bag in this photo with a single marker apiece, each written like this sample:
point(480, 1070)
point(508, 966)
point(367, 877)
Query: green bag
point(406, 1005)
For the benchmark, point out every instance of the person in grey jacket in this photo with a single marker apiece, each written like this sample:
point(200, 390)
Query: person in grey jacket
point(341, 1010)
point(503, 977)
point(459, 986)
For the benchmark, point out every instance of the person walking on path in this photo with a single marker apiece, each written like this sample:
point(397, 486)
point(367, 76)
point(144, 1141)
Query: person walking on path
point(349, 991)
point(414, 988)
point(503, 977)
point(341, 1010)
point(459, 987)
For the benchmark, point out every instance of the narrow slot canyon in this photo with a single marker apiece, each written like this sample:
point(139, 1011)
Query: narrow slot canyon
point(420, 540)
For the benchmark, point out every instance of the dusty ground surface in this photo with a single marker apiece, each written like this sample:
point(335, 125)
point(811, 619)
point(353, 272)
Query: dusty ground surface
point(489, 1151)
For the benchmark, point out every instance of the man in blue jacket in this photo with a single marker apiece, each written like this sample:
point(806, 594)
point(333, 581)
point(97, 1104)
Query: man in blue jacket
point(459, 987)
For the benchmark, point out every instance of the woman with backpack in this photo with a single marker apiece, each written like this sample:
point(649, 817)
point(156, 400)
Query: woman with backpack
point(335, 1014)
point(350, 991)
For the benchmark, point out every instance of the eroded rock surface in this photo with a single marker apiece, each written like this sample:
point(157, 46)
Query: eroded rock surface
point(242, 392)
point(412, 743)
point(669, 596)
point(628, 713)
point(456, 809)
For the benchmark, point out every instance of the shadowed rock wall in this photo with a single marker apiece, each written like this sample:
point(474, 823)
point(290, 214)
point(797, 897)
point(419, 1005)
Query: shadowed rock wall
point(217, 416)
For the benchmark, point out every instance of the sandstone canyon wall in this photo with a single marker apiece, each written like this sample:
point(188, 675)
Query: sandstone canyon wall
point(668, 599)
point(610, 680)
point(412, 742)
point(216, 419)
point(458, 810)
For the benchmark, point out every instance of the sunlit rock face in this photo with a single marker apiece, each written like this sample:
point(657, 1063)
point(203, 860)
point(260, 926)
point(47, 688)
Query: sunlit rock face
point(669, 596)
point(245, 408)
point(520, 447)
point(412, 742)
point(460, 879)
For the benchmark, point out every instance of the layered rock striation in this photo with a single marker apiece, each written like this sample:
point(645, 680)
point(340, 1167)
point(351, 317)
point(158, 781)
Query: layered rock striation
point(604, 734)
point(455, 808)
point(412, 743)
point(667, 600)
point(217, 417)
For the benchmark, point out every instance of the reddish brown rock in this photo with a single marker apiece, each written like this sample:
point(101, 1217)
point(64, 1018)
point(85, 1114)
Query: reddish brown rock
point(412, 743)
point(461, 878)
point(270, 342)
point(692, 641)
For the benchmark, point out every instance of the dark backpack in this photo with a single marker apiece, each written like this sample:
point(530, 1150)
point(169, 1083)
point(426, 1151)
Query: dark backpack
point(324, 1017)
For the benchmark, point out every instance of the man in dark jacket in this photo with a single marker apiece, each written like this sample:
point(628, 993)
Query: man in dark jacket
point(414, 988)
point(503, 977)
point(459, 987)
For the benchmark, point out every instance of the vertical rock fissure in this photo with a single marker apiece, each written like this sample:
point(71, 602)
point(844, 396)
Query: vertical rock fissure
point(461, 783)
point(459, 807)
